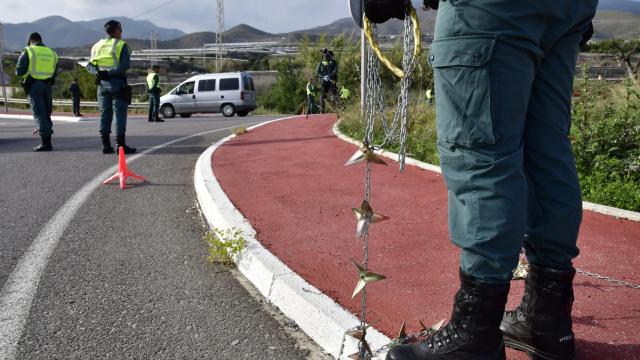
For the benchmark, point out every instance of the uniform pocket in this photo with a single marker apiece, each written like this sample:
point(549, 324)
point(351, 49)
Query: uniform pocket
point(463, 89)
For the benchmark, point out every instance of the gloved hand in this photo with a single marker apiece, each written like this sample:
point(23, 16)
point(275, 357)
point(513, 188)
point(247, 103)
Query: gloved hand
point(380, 11)
point(430, 4)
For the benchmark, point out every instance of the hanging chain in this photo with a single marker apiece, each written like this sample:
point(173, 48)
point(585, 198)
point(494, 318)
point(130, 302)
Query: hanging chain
point(395, 129)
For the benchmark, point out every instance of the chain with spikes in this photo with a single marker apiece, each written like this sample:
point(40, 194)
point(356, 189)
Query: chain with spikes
point(395, 128)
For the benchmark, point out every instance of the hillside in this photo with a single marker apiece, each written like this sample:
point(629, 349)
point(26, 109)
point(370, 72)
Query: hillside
point(627, 6)
point(60, 32)
point(615, 19)
point(614, 24)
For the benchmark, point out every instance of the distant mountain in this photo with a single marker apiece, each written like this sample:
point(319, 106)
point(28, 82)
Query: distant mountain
point(60, 32)
point(616, 24)
point(627, 6)
point(615, 18)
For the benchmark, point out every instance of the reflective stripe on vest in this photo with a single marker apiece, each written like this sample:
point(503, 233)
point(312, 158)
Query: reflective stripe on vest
point(311, 90)
point(150, 81)
point(42, 62)
point(105, 54)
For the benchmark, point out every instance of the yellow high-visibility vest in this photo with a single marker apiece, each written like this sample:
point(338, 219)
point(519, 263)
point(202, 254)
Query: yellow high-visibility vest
point(42, 62)
point(311, 89)
point(429, 94)
point(150, 81)
point(105, 54)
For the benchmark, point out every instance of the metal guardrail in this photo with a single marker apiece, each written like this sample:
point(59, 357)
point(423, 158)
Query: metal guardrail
point(93, 104)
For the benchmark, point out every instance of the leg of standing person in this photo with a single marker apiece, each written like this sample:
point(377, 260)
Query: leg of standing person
point(542, 322)
point(120, 108)
point(76, 105)
point(156, 107)
point(309, 105)
point(41, 114)
point(484, 58)
point(151, 118)
point(105, 105)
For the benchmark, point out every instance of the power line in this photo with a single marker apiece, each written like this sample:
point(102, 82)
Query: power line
point(154, 9)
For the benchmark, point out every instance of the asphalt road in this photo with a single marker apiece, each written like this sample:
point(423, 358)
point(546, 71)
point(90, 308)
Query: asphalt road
point(129, 277)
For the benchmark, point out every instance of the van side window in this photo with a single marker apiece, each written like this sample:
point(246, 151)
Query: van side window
point(229, 84)
point(186, 88)
point(207, 85)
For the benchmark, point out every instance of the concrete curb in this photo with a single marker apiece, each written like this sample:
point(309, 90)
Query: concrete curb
point(597, 208)
point(71, 119)
point(325, 321)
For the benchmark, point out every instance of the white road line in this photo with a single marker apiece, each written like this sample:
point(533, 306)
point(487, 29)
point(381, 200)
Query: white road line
point(20, 289)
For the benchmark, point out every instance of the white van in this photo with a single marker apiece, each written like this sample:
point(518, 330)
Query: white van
point(226, 93)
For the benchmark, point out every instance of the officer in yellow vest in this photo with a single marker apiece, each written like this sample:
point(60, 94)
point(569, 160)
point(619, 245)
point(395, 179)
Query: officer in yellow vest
point(311, 95)
point(37, 67)
point(153, 82)
point(110, 59)
point(344, 94)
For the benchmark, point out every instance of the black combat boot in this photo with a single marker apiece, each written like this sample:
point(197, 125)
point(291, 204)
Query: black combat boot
point(120, 142)
point(106, 145)
point(473, 333)
point(45, 145)
point(541, 324)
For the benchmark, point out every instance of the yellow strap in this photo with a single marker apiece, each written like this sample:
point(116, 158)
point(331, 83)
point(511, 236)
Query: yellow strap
point(368, 32)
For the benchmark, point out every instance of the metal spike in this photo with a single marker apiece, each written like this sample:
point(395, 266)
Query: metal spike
point(435, 327)
point(365, 278)
point(364, 154)
point(366, 216)
point(366, 346)
point(423, 326)
point(357, 334)
point(361, 284)
point(403, 331)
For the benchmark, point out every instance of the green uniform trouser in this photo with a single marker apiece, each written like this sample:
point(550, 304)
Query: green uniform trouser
point(504, 73)
point(110, 101)
point(310, 104)
point(154, 105)
point(41, 106)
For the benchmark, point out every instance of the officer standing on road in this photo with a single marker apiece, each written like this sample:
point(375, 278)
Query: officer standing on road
point(37, 66)
point(504, 75)
point(153, 88)
point(110, 59)
point(311, 94)
point(74, 89)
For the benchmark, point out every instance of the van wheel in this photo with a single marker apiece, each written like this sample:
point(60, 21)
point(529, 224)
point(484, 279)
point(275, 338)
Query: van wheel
point(168, 112)
point(228, 110)
point(242, 113)
point(186, 115)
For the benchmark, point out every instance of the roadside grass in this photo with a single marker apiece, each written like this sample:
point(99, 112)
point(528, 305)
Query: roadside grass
point(224, 245)
point(240, 130)
point(605, 134)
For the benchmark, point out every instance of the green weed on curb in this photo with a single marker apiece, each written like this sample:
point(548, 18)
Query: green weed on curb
point(224, 245)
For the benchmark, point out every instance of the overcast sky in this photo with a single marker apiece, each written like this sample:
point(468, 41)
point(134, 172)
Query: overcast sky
point(187, 15)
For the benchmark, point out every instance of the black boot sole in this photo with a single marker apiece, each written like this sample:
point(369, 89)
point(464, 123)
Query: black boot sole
point(534, 353)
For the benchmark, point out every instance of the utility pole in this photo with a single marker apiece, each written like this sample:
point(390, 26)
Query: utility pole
point(3, 77)
point(219, 34)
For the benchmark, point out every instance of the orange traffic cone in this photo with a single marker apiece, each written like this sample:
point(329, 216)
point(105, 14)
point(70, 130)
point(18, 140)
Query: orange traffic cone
point(123, 172)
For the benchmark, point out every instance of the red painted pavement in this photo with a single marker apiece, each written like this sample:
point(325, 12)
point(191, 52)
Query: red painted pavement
point(289, 180)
